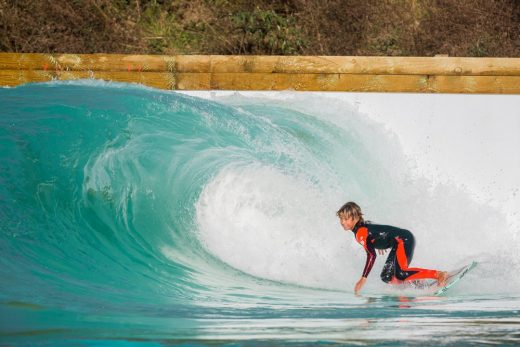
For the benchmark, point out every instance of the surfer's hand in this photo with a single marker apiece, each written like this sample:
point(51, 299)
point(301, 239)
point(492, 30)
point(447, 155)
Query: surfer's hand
point(381, 251)
point(359, 285)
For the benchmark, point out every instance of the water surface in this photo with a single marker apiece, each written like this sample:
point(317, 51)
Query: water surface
point(132, 216)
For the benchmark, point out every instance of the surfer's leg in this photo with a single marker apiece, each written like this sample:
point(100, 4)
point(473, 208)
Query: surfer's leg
point(404, 252)
point(442, 276)
point(387, 275)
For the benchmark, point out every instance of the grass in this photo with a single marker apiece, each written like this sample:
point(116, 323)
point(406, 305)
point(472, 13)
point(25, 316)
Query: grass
point(284, 27)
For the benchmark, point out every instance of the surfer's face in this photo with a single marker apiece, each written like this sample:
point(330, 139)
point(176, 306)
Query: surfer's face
point(347, 222)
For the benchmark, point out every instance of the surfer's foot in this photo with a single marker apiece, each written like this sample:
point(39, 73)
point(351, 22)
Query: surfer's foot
point(441, 278)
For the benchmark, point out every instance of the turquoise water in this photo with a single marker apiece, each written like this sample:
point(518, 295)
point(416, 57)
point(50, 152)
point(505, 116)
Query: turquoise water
point(136, 217)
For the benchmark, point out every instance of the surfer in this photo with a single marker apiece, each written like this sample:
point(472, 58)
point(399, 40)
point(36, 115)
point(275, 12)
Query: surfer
point(382, 237)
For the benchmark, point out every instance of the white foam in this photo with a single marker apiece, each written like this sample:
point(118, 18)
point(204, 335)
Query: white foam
point(254, 218)
point(458, 193)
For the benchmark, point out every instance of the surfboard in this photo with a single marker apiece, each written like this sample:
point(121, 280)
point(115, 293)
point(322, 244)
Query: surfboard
point(430, 286)
point(455, 276)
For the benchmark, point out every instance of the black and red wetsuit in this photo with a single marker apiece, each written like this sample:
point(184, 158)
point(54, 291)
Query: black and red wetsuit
point(402, 243)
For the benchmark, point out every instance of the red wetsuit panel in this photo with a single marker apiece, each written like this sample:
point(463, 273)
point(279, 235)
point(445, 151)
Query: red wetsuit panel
point(412, 273)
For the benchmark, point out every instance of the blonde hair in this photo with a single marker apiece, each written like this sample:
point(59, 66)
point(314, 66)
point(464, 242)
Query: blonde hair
point(351, 209)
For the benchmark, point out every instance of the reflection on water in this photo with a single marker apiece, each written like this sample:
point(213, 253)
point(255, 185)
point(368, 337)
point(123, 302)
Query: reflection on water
point(332, 317)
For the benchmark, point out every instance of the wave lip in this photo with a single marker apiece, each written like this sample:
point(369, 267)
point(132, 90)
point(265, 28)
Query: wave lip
point(106, 184)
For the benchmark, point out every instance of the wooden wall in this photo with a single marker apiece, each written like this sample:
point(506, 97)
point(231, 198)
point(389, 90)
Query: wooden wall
point(303, 73)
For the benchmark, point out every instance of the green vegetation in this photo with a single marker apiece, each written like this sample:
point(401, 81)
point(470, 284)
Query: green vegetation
point(267, 32)
point(283, 27)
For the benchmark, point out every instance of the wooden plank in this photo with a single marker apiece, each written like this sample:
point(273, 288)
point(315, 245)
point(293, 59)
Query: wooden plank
point(162, 80)
point(265, 64)
point(317, 82)
point(366, 83)
point(267, 81)
point(11, 78)
point(475, 84)
point(367, 65)
point(232, 81)
point(104, 62)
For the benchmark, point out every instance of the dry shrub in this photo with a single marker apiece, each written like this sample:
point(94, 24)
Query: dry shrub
point(241, 27)
point(334, 27)
point(301, 27)
point(80, 26)
point(470, 28)
point(411, 27)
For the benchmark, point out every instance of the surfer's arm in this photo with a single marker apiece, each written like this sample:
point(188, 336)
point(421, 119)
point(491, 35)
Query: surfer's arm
point(360, 284)
point(371, 257)
point(366, 241)
point(363, 238)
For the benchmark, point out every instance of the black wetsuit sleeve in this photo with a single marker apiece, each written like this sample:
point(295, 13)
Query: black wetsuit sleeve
point(371, 257)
